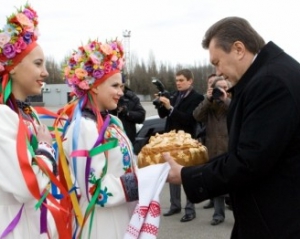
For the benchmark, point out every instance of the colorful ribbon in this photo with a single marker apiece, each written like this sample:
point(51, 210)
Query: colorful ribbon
point(64, 172)
point(12, 224)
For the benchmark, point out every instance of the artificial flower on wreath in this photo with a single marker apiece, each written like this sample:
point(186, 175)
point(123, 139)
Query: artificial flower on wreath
point(19, 31)
point(91, 62)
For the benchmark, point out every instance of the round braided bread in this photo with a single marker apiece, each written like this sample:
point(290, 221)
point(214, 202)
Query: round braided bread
point(181, 146)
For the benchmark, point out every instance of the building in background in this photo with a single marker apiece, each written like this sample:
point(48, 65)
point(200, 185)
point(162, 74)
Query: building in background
point(52, 95)
point(59, 94)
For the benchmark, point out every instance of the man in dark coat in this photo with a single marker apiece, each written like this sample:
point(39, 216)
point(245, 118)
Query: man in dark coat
point(179, 112)
point(130, 111)
point(261, 170)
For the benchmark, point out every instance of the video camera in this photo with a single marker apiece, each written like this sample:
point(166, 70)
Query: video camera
point(217, 94)
point(162, 92)
point(122, 101)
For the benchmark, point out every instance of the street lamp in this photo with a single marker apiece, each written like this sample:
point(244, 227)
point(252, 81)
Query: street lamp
point(126, 35)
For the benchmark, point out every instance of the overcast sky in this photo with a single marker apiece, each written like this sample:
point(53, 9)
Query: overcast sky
point(171, 29)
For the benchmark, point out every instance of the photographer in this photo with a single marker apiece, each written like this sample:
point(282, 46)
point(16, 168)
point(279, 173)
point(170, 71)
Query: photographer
point(179, 112)
point(130, 112)
point(213, 113)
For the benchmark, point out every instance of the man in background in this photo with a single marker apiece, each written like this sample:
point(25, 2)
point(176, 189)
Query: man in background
point(212, 111)
point(179, 112)
point(130, 111)
point(210, 80)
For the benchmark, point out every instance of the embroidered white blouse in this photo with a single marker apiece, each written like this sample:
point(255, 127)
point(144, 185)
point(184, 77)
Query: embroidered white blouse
point(112, 211)
point(14, 192)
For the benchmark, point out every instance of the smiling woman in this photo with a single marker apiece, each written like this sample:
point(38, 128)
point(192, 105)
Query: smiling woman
point(25, 143)
point(96, 146)
point(28, 76)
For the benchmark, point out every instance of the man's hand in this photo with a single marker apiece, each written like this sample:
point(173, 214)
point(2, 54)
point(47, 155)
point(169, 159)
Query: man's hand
point(166, 102)
point(224, 96)
point(175, 170)
point(122, 109)
point(209, 93)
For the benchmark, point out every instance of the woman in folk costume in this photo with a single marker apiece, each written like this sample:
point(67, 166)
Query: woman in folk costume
point(27, 155)
point(97, 149)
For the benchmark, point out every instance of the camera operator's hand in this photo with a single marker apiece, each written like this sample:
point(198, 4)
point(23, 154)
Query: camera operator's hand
point(123, 109)
point(166, 102)
point(224, 95)
point(209, 93)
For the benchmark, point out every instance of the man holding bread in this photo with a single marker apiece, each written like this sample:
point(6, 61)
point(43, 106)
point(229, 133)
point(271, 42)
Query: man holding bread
point(261, 170)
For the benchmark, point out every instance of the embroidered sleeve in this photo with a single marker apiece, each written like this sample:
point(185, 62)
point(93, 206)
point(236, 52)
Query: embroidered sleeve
point(48, 151)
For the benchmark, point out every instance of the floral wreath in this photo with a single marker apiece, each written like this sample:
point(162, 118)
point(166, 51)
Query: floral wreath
point(19, 32)
point(92, 64)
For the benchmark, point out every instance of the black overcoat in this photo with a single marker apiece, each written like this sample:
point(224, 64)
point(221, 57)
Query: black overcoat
point(261, 170)
point(135, 113)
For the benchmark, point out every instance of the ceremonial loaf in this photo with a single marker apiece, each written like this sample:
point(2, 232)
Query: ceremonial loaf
point(186, 150)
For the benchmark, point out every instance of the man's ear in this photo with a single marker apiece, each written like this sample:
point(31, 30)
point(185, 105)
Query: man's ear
point(239, 48)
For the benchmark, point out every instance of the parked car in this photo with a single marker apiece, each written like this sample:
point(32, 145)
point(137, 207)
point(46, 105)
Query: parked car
point(150, 127)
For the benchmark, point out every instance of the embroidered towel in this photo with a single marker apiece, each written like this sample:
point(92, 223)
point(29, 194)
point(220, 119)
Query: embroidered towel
point(145, 220)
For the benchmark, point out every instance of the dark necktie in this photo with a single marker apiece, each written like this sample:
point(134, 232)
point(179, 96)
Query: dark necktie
point(179, 98)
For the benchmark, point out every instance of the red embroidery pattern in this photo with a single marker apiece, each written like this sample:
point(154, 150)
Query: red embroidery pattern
point(154, 209)
point(144, 222)
point(133, 231)
point(149, 228)
point(143, 211)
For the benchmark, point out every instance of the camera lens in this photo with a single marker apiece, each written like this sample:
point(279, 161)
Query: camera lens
point(217, 93)
point(156, 102)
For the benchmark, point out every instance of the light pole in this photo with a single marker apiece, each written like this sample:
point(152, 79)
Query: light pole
point(126, 35)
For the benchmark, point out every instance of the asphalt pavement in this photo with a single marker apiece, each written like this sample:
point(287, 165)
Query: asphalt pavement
point(171, 227)
point(199, 228)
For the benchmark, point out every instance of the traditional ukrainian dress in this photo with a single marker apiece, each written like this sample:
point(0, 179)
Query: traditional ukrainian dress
point(105, 179)
point(19, 217)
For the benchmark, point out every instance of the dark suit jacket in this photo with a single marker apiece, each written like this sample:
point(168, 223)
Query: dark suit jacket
point(181, 117)
point(261, 170)
point(134, 114)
